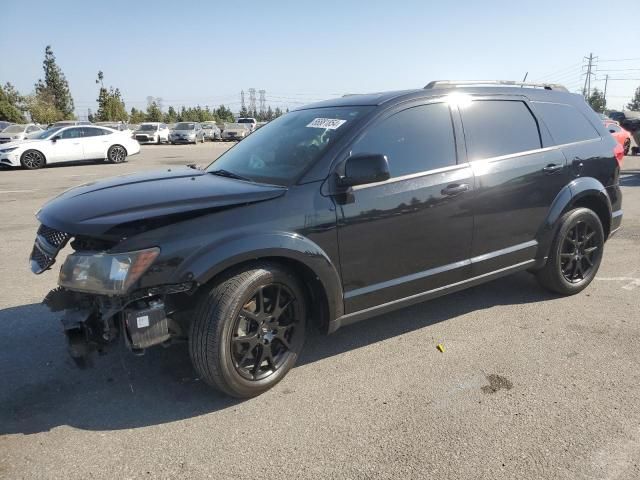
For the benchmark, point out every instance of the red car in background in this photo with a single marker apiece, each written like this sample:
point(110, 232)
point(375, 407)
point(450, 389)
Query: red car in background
point(620, 134)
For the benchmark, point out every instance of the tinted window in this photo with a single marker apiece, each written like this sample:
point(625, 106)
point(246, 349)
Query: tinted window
point(414, 140)
point(94, 132)
point(71, 133)
point(493, 128)
point(566, 124)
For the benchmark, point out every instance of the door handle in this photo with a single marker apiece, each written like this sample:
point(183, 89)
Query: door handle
point(552, 168)
point(455, 189)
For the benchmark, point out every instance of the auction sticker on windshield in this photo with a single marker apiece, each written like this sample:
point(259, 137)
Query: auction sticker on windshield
point(328, 123)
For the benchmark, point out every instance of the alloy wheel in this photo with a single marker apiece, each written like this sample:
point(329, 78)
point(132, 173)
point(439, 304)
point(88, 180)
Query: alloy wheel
point(117, 154)
point(264, 332)
point(32, 159)
point(581, 248)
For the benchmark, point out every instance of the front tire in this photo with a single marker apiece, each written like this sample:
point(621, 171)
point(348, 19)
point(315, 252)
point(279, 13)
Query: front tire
point(116, 154)
point(627, 146)
point(248, 330)
point(576, 253)
point(32, 160)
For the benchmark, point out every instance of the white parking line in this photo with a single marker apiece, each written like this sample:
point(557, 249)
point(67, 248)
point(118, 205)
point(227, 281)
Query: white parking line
point(16, 191)
point(633, 282)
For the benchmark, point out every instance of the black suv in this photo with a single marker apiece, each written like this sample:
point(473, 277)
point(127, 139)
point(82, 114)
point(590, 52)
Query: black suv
point(331, 214)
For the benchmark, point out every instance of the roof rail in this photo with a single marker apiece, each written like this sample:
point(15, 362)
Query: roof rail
point(504, 83)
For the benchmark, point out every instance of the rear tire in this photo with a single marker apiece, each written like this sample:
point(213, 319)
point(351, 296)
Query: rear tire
point(117, 154)
point(32, 160)
point(627, 146)
point(575, 254)
point(248, 330)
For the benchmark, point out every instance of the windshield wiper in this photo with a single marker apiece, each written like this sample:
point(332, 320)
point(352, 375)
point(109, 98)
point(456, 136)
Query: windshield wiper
point(228, 174)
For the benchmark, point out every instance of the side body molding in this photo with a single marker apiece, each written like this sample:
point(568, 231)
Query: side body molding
point(565, 200)
point(213, 259)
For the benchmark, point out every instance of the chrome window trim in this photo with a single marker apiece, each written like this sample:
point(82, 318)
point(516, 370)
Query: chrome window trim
point(412, 176)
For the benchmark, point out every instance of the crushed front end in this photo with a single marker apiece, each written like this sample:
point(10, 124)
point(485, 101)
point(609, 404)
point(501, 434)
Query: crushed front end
point(98, 297)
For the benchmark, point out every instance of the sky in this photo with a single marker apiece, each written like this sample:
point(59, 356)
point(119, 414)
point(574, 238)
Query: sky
point(204, 53)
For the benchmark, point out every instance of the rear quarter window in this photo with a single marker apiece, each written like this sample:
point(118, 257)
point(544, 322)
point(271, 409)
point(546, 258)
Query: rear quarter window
point(493, 128)
point(566, 123)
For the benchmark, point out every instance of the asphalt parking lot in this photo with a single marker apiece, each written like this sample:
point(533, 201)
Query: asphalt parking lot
point(530, 385)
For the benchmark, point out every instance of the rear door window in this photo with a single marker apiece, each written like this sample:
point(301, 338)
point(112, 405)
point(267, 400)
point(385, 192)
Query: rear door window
point(493, 128)
point(566, 123)
point(414, 140)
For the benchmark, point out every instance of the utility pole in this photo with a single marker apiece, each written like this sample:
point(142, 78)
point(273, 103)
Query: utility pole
point(262, 100)
point(242, 104)
point(586, 91)
point(252, 100)
point(604, 95)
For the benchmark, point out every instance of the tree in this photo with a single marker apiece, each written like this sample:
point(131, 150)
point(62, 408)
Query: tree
point(171, 116)
point(136, 116)
point(11, 104)
point(243, 112)
point(41, 107)
point(110, 104)
point(634, 104)
point(224, 114)
point(154, 114)
point(269, 116)
point(597, 100)
point(277, 113)
point(55, 87)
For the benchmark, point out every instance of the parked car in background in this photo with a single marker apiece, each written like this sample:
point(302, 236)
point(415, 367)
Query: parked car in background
point(4, 125)
point(69, 144)
point(211, 131)
point(235, 131)
point(620, 134)
point(249, 121)
point(331, 214)
point(68, 123)
point(187, 132)
point(119, 126)
point(17, 132)
point(152, 132)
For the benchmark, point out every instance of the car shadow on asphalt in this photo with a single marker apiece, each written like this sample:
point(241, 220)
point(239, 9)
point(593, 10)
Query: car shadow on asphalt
point(42, 389)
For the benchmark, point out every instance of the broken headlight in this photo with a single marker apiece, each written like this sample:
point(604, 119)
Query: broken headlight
point(105, 273)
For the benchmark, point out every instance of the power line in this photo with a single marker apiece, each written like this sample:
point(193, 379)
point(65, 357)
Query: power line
point(621, 59)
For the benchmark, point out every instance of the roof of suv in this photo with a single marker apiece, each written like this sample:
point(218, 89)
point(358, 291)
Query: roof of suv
point(533, 91)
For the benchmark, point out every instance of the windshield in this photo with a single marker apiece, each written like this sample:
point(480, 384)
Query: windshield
point(15, 129)
point(148, 128)
point(207, 126)
point(245, 120)
point(281, 150)
point(47, 133)
point(185, 126)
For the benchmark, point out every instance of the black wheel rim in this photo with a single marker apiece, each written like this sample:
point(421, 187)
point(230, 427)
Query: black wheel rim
point(266, 332)
point(627, 146)
point(118, 154)
point(32, 160)
point(580, 252)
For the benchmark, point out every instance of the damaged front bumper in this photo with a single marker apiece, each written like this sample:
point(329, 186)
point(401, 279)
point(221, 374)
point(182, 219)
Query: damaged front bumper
point(94, 320)
point(93, 323)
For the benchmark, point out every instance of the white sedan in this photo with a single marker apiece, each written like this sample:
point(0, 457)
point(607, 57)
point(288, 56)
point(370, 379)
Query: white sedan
point(69, 144)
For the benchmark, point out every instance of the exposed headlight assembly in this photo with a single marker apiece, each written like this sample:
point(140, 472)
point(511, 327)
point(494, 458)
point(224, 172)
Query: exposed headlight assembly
point(105, 273)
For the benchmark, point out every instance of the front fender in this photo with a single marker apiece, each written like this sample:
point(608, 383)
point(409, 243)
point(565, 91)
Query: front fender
point(566, 199)
point(214, 259)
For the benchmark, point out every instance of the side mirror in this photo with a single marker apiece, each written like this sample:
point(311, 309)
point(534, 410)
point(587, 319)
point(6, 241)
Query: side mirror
point(364, 168)
point(55, 138)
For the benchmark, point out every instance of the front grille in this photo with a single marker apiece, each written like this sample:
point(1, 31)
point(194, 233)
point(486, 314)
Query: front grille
point(54, 237)
point(46, 247)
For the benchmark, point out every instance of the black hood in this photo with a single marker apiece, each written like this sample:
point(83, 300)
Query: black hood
point(165, 196)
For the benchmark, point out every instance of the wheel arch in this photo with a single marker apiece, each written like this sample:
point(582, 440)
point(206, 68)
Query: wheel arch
point(584, 192)
point(318, 276)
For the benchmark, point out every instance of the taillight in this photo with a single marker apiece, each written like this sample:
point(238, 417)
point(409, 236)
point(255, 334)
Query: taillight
point(618, 151)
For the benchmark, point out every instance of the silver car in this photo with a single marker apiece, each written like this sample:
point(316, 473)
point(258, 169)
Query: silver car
point(187, 132)
point(235, 131)
point(211, 131)
point(16, 133)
